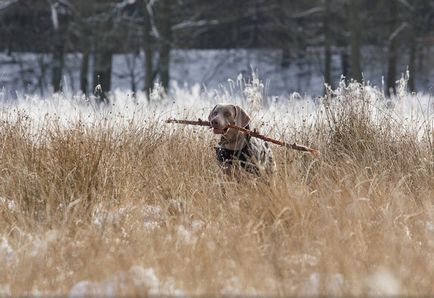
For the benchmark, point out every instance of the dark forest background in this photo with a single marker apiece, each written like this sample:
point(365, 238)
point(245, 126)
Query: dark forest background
point(99, 29)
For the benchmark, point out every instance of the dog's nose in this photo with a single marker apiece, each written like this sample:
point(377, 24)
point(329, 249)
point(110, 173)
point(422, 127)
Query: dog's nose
point(214, 122)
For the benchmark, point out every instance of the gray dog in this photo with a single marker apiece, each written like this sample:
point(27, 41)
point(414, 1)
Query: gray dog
point(236, 150)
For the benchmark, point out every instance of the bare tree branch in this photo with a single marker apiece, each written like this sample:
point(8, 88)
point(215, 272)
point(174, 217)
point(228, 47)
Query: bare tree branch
point(6, 3)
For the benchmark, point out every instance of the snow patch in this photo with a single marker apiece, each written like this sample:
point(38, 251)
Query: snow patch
point(383, 283)
point(184, 235)
point(150, 226)
point(197, 225)
point(303, 259)
point(5, 291)
point(311, 285)
point(232, 287)
point(429, 226)
point(6, 251)
point(150, 215)
point(40, 244)
point(136, 279)
point(333, 285)
point(8, 204)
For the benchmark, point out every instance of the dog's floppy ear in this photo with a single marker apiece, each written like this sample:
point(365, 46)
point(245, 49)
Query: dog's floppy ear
point(212, 111)
point(241, 117)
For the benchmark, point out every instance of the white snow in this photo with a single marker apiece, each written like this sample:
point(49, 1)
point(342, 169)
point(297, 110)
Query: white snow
point(232, 287)
point(40, 243)
point(6, 252)
point(383, 283)
point(335, 284)
point(9, 204)
point(311, 286)
point(150, 215)
point(142, 280)
point(197, 225)
point(429, 226)
point(81, 289)
point(303, 259)
point(5, 290)
point(184, 235)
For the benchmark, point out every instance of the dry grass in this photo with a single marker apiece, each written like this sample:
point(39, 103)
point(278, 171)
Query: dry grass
point(102, 203)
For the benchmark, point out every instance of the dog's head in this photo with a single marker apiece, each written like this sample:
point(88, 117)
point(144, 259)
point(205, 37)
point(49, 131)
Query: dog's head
point(224, 114)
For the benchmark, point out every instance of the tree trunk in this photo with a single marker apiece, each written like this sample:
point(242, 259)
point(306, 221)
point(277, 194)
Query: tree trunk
point(413, 47)
point(58, 62)
point(41, 79)
point(58, 49)
point(255, 29)
point(327, 44)
point(102, 72)
point(412, 62)
point(147, 46)
point(164, 62)
point(392, 49)
point(283, 27)
point(345, 63)
point(356, 71)
point(133, 81)
point(84, 70)
point(286, 57)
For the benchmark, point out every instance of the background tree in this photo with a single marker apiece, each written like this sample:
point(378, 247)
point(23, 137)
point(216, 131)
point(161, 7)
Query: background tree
point(58, 44)
point(327, 43)
point(81, 32)
point(419, 16)
point(308, 34)
point(392, 45)
point(164, 8)
point(355, 27)
point(148, 46)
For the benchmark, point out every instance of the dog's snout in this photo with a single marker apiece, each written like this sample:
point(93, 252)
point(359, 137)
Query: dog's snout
point(214, 122)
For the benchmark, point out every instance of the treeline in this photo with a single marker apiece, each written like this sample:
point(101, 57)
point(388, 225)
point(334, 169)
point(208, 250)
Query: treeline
point(98, 29)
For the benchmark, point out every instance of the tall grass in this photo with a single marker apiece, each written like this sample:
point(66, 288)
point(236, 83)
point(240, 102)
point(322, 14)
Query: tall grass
point(113, 202)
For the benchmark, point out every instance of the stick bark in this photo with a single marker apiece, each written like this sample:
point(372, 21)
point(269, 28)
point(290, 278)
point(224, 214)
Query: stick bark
point(252, 133)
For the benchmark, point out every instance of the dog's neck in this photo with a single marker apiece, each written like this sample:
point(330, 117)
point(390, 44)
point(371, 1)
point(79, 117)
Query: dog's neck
point(237, 142)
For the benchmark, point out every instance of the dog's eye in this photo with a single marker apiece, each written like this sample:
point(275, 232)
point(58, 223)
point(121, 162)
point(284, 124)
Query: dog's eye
point(227, 114)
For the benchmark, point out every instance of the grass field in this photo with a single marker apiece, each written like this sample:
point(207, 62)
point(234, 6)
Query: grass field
point(111, 201)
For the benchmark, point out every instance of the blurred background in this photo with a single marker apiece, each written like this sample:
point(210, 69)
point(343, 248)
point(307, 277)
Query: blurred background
point(294, 45)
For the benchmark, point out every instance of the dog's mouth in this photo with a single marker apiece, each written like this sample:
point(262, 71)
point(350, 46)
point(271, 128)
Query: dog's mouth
point(219, 131)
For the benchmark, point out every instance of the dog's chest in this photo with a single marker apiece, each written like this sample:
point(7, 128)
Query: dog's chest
point(253, 157)
point(229, 156)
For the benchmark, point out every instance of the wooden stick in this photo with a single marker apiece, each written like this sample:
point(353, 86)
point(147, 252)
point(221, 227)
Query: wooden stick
point(256, 134)
point(199, 122)
point(251, 133)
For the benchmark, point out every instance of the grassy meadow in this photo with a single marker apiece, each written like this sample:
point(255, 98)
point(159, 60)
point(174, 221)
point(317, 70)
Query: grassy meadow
point(104, 203)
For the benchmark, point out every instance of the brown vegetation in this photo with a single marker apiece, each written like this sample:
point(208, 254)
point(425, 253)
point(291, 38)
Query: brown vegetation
point(88, 202)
